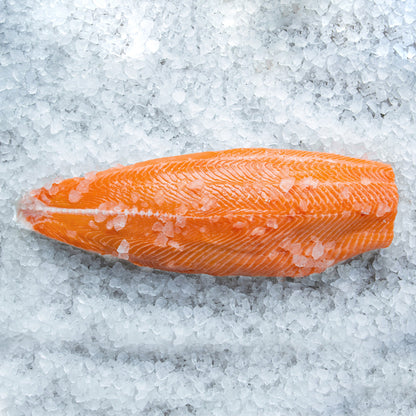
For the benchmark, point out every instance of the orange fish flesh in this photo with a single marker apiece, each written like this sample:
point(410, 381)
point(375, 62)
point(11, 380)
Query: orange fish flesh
point(254, 212)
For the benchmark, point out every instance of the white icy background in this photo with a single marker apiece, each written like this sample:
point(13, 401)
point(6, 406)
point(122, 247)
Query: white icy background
point(88, 84)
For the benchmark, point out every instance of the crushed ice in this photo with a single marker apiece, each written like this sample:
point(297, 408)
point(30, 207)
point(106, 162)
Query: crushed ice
point(123, 248)
point(74, 196)
point(286, 184)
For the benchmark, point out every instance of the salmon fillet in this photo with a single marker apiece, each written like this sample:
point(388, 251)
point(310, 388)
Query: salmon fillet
point(255, 212)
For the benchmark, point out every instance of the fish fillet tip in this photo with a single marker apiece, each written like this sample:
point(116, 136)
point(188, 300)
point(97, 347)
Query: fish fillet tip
point(27, 206)
point(19, 216)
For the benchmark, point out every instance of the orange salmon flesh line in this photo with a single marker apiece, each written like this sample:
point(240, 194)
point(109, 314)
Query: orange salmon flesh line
point(253, 212)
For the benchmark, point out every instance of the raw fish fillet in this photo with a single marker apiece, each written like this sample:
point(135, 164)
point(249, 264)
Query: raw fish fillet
point(255, 212)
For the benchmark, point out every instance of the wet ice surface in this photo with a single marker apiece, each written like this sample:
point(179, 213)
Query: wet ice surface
point(87, 85)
